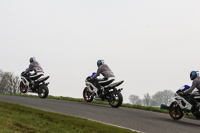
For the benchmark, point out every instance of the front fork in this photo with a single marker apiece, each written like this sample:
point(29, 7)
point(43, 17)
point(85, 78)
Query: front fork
point(178, 103)
point(25, 82)
point(89, 88)
point(94, 91)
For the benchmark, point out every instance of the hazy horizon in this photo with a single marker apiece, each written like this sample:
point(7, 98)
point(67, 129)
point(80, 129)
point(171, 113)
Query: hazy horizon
point(151, 45)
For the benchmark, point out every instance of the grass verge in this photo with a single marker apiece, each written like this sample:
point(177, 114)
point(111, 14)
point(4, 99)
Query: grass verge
point(148, 108)
point(15, 118)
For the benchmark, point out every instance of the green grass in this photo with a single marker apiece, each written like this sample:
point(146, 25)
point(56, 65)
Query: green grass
point(15, 118)
point(147, 108)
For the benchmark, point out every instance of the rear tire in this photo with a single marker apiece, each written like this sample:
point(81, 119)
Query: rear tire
point(115, 99)
point(22, 87)
point(43, 91)
point(88, 97)
point(175, 111)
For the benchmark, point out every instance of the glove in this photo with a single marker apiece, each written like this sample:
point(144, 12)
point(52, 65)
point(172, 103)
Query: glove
point(89, 78)
point(22, 73)
point(180, 93)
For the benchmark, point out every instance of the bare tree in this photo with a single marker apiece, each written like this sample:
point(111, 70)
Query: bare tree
point(135, 99)
point(139, 102)
point(163, 97)
point(1, 76)
point(147, 99)
point(9, 83)
point(153, 103)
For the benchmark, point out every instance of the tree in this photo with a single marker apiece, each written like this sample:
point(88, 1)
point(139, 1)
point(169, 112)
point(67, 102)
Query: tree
point(163, 97)
point(147, 99)
point(139, 102)
point(135, 99)
point(9, 83)
point(153, 103)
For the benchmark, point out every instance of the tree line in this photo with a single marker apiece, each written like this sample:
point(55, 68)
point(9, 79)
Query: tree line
point(161, 97)
point(9, 83)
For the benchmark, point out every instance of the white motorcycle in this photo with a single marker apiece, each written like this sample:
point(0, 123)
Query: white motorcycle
point(111, 93)
point(38, 85)
point(182, 104)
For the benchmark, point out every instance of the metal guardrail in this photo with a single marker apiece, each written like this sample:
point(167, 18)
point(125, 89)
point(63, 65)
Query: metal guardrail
point(164, 107)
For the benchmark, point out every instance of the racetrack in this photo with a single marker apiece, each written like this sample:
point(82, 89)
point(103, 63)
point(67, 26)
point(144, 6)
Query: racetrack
point(140, 120)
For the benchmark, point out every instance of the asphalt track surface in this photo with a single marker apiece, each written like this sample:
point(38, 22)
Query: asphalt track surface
point(139, 120)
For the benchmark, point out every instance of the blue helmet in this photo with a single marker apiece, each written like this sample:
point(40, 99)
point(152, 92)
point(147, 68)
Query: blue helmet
point(100, 62)
point(194, 74)
point(32, 59)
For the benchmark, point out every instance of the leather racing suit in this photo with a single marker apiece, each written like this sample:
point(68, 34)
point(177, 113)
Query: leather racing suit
point(195, 84)
point(107, 73)
point(38, 71)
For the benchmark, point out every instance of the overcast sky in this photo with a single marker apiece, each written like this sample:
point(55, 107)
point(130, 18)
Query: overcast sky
point(150, 44)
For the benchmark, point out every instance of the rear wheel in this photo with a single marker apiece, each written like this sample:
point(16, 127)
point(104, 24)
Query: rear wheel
point(175, 111)
point(43, 91)
point(87, 95)
point(115, 99)
point(23, 88)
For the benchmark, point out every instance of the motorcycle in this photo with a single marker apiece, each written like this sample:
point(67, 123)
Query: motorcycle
point(182, 104)
point(38, 85)
point(111, 93)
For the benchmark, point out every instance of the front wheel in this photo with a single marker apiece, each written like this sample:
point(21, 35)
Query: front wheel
point(115, 99)
point(87, 95)
point(43, 91)
point(23, 88)
point(175, 111)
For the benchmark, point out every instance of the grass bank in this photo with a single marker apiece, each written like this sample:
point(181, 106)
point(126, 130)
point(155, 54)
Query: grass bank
point(148, 108)
point(15, 118)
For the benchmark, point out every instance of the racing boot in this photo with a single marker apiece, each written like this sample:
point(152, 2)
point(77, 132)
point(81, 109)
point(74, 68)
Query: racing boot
point(31, 85)
point(32, 82)
point(102, 90)
point(196, 110)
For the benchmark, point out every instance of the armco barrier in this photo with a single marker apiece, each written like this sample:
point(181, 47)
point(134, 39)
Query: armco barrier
point(164, 107)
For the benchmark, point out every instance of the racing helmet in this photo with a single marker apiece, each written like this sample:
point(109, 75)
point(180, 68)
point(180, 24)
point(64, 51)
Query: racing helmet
point(194, 74)
point(100, 62)
point(32, 59)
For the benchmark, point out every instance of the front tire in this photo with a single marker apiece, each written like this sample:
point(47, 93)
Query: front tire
point(175, 111)
point(115, 99)
point(43, 91)
point(88, 97)
point(23, 88)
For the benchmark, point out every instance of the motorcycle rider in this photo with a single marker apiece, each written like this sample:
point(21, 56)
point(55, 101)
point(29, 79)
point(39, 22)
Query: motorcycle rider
point(106, 72)
point(37, 71)
point(194, 75)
